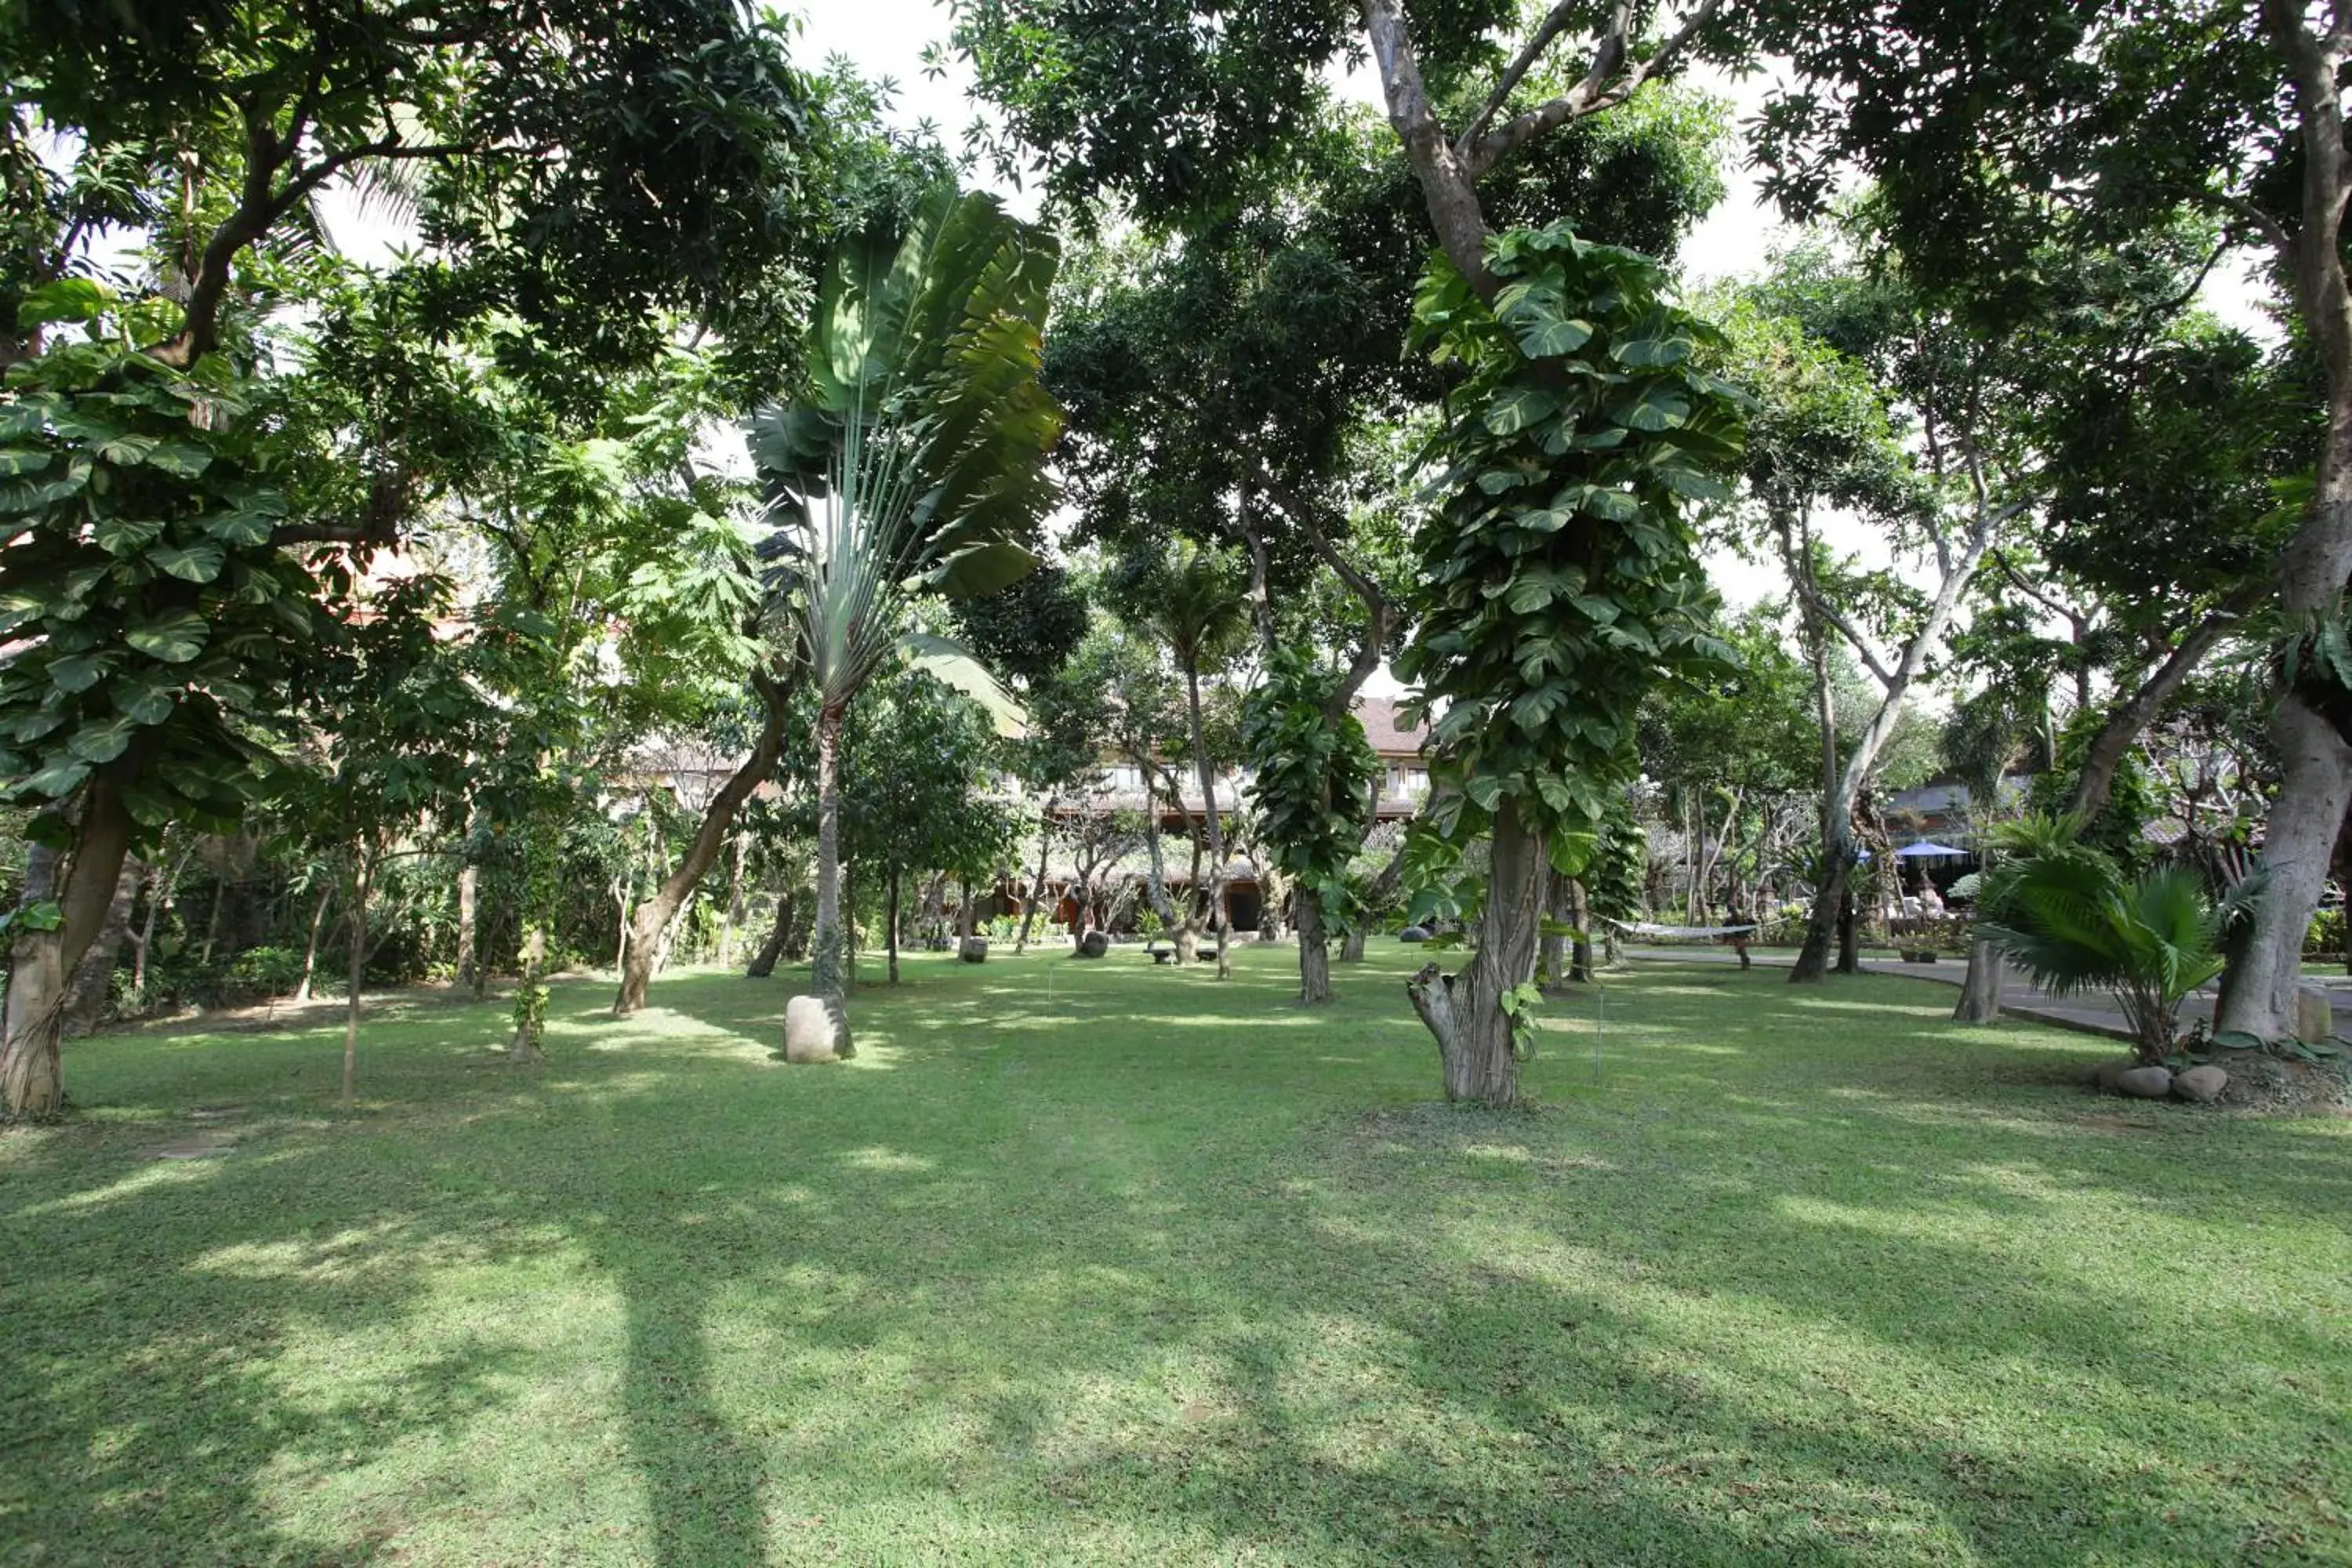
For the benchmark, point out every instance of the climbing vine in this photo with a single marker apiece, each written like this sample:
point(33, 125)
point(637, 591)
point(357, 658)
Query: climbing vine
point(1561, 576)
point(1309, 776)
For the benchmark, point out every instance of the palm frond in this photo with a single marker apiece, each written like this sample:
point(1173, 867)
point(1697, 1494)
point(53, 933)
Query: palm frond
point(917, 464)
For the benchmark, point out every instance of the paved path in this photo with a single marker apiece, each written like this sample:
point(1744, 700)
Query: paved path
point(2091, 1014)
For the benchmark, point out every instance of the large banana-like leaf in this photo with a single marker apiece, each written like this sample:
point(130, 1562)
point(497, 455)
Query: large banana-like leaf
point(918, 463)
point(956, 666)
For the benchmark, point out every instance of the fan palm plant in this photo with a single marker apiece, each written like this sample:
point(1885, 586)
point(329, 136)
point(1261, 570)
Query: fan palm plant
point(914, 466)
point(2073, 921)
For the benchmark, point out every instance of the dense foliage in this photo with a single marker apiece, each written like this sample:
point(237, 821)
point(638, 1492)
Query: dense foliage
point(1561, 571)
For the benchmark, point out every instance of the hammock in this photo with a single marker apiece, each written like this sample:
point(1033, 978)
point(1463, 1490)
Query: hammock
point(1644, 928)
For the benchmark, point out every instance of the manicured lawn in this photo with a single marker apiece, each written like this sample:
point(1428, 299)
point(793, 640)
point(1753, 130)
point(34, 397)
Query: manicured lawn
point(1094, 1263)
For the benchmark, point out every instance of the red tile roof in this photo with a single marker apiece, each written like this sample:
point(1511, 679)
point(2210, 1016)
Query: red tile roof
point(1388, 738)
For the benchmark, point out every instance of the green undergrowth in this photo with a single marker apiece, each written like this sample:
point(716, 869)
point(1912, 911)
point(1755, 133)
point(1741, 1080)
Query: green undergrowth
point(1093, 1262)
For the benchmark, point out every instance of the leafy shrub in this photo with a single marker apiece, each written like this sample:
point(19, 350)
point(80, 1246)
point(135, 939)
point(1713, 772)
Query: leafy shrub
point(2324, 938)
point(2069, 917)
point(260, 972)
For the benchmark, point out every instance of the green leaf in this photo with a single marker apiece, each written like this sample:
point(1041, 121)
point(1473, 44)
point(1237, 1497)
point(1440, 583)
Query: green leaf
point(57, 781)
point(103, 741)
point(15, 460)
point(1691, 485)
point(1520, 408)
point(65, 300)
point(80, 671)
point(1613, 506)
point(181, 458)
point(245, 527)
point(174, 638)
point(120, 535)
point(1553, 336)
point(148, 699)
point(27, 414)
point(957, 667)
point(1651, 354)
point(190, 563)
point(980, 570)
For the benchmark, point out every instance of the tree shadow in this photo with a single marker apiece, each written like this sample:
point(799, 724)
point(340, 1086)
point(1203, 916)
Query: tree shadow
point(1116, 1290)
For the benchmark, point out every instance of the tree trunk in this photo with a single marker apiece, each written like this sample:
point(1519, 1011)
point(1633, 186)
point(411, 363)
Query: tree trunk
point(1829, 898)
point(530, 1018)
point(890, 920)
point(1465, 1011)
point(470, 958)
point(32, 1076)
point(1980, 991)
point(1313, 948)
point(2315, 762)
point(1579, 948)
point(1179, 929)
point(1551, 946)
point(310, 948)
point(2315, 784)
point(2130, 717)
point(1377, 894)
point(734, 916)
point(1271, 895)
point(213, 923)
point(363, 880)
point(1036, 883)
point(763, 963)
point(159, 899)
point(825, 979)
point(93, 977)
point(650, 927)
point(1849, 950)
point(1217, 911)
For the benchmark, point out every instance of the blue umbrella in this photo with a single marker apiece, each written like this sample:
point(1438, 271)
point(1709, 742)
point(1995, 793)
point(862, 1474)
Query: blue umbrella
point(1930, 850)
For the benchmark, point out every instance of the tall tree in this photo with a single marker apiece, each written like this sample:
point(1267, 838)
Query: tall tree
point(1194, 602)
point(208, 128)
point(2124, 117)
point(914, 465)
point(1068, 83)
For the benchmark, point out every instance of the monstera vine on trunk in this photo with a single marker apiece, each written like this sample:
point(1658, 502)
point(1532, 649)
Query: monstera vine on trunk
point(1311, 776)
point(158, 630)
point(915, 466)
point(1559, 580)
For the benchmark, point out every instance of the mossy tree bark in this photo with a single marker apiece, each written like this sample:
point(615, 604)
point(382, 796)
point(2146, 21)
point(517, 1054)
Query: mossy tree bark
point(1465, 1011)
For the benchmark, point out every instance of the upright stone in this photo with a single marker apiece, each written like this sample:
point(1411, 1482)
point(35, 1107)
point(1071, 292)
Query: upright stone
point(2313, 1020)
point(815, 1030)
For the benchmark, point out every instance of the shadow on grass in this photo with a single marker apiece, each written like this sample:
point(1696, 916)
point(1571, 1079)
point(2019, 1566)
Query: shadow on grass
point(1782, 1286)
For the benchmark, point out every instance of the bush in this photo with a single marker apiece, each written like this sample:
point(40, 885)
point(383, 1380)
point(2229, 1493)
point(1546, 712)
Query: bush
point(2324, 938)
point(259, 974)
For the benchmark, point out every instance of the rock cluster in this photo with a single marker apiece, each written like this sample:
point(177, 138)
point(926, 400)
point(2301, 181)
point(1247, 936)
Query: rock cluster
point(2202, 1085)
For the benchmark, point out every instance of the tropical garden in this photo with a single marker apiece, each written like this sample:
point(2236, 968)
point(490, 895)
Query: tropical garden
point(1233, 820)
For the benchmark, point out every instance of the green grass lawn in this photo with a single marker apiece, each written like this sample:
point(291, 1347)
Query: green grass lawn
point(1092, 1263)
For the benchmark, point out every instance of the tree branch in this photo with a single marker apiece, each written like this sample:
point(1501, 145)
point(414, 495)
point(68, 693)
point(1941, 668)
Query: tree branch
point(1554, 23)
point(2128, 717)
point(1589, 96)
